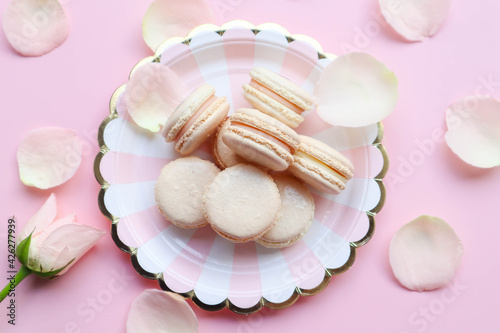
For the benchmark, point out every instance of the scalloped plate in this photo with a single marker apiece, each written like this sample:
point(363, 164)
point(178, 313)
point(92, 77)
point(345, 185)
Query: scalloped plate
point(196, 263)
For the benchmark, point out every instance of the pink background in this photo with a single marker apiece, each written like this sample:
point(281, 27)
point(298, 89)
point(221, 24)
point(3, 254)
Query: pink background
point(71, 86)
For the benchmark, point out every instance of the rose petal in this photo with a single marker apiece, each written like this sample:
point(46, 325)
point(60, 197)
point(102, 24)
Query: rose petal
point(474, 130)
point(415, 20)
point(156, 311)
point(74, 239)
point(165, 19)
point(151, 95)
point(355, 90)
point(35, 27)
point(41, 234)
point(45, 215)
point(425, 253)
point(48, 157)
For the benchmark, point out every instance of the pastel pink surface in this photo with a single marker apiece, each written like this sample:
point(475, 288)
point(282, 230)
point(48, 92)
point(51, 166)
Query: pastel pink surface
point(327, 209)
point(102, 45)
point(136, 229)
point(187, 69)
point(143, 167)
point(301, 260)
point(237, 52)
point(294, 68)
point(188, 265)
point(245, 275)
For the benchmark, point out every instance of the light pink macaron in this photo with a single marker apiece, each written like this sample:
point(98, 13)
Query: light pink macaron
point(180, 188)
point(223, 155)
point(195, 119)
point(242, 203)
point(261, 139)
point(321, 166)
point(277, 96)
point(295, 216)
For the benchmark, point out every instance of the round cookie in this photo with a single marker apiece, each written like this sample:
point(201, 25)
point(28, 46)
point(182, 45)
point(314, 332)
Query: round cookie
point(277, 96)
point(296, 213)
point(321, 166)
point(261, 139)
point(180, 188)
point(242, 203)
point(195, 119)
point(223, 155)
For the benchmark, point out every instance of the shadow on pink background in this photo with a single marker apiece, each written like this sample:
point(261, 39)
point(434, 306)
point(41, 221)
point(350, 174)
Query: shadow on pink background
point(71, 86)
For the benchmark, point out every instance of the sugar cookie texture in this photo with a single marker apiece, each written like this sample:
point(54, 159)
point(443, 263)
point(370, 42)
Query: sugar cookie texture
point(242, 203)
point(295, 216)
point(180, 188)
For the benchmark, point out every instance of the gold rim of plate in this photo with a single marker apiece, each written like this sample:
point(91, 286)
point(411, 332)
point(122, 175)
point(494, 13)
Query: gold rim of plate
point(159, 277)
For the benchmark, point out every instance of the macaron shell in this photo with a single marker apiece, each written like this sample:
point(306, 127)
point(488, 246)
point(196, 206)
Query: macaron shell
point(257, 149)
point(267, 124)
point(203, 127)
point(316, 177)
point(296, 213)
point(327, 155)
point(269, 106)
point(185, 110)
point(242, 203)
point(223, 155)
point(180, 188)
point(283, 87)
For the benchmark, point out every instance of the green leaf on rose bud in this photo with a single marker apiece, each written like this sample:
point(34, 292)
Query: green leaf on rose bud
point(52, 273)
point(23, 250)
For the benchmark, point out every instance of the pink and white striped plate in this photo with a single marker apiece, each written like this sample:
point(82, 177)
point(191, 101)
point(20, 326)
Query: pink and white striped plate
point(198, 264)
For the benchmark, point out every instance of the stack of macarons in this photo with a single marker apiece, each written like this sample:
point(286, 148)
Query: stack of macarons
point(246, 196)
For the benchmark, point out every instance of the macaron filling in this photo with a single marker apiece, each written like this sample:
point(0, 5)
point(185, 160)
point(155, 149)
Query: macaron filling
point(262, 134)
point(263, 89)
point(322, 166)
point(195, 116)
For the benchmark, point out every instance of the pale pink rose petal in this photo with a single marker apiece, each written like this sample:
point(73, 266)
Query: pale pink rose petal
point(39, 236)
point(62, 259)
point(355, 90)
point(45, 215)
point(77, 238)
point(165, 19)
point(425, 253)
point(43, 233)
point(48, 157)
point(156, 311)
point(35, 27)
point(474, 130)
point(151, 95)
point(415, 20)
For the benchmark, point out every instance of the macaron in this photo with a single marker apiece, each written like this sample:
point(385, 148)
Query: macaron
point(242, 203)
point(295, 216)
point(321, 166)
point(277, 96)
point(180, 188)
point(223, 155)
point(195, 119)
point(261, 139)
